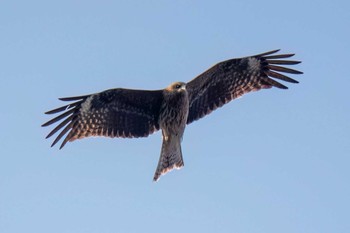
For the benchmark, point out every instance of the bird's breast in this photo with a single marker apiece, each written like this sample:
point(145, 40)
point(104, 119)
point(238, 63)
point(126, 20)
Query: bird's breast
point(174, 113)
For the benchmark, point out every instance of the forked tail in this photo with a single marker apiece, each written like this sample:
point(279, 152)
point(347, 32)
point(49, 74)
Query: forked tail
point(170, 157)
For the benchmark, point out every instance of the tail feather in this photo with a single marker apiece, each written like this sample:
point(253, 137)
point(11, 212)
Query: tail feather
point(170, 157)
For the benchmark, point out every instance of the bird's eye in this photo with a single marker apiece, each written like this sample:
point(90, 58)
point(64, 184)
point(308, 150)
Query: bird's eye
point(177, 86)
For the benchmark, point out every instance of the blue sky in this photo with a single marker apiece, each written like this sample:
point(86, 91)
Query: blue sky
point(272, 161)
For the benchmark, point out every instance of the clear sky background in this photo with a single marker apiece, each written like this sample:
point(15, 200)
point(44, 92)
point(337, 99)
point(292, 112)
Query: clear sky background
point(273, 161)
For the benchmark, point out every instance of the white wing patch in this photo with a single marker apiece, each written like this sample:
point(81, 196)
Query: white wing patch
point(254, 64)
point(85, 107)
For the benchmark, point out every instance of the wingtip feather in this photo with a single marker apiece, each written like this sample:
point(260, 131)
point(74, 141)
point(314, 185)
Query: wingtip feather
point(267, 53)
point(63, 143)
point(73, 98)
point(279, 56)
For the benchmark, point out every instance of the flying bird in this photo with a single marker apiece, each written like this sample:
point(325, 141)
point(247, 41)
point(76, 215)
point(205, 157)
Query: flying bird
point(129, 113)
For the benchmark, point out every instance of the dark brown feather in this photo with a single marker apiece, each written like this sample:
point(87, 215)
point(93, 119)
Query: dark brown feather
point(63, 132)
point(74, 98)
point(63, 108)
point(63, 115)
point(280, 76)
point(267, 53)
point(283, 69)
point(283, 62)
point(279, 56)
point(60, 126)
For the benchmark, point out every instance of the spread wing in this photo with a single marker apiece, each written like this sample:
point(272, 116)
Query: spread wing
point(112, 113)
point(230, 79)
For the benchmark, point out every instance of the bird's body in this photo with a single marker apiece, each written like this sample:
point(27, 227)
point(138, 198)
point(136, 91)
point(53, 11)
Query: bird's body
point(137, 113)
point(172, 121)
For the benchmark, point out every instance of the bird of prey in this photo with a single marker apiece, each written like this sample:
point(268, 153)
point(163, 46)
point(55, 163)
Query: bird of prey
point(129, 113)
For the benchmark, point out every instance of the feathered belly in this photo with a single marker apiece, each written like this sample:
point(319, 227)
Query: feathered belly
point(173, 118)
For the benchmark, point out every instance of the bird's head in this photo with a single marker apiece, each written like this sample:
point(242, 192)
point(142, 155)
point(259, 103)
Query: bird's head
point(177, 87)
